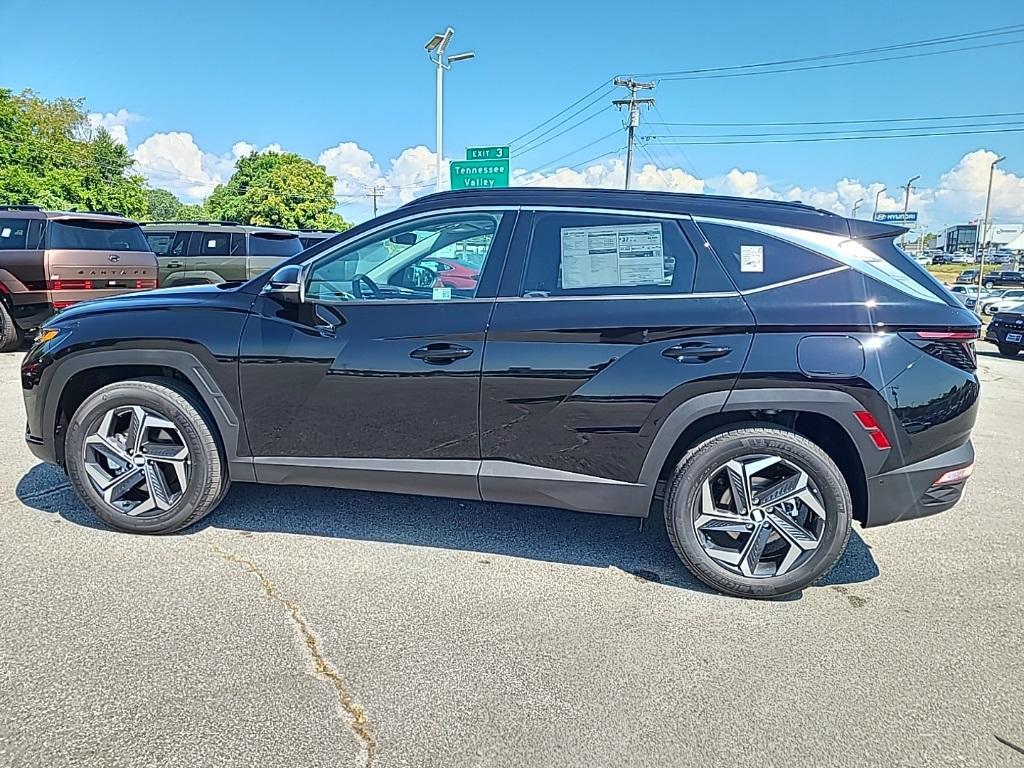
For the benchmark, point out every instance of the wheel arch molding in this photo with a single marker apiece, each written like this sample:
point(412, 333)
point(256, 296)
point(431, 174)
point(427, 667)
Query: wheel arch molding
point(185, 364)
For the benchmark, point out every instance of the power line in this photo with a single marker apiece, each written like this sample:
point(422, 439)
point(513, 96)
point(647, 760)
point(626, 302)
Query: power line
point(848, 138)
point(574, 126)
point(843, 63)
point(550, 163)
point(580, 164)
point(893, 130)
point(604, 85)
point(526, 145)
point(842, 122)
point(962, 37)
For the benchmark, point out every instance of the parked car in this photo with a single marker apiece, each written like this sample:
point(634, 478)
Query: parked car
point(969, 295)
point(962, 258)
point(311, 237)
point(50, 260)
point(923, 259)
point(996, 279)
point(996, 300)
point(452, 273)
point(616, 343)
point(942, 258)
point(213, 252)
point(1006, 331)
point(967, 277)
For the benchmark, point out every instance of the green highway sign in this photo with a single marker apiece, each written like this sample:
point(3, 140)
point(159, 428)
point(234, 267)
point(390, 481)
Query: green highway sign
point(487, 153)
point(479, 174)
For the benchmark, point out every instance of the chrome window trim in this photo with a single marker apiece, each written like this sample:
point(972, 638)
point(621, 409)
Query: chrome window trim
point(634, 212)
point(794, 280)
point(624, 296)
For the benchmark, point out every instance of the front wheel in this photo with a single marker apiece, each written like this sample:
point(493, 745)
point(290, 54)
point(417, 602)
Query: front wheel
point(990, 285)
point(758, 512)
point(144, 457)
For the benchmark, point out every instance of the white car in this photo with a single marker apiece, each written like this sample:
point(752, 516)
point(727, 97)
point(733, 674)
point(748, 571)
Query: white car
point(993, 304)
point(963, 258)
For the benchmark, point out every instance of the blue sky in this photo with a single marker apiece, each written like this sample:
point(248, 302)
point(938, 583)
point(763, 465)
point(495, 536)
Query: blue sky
point(308, 76)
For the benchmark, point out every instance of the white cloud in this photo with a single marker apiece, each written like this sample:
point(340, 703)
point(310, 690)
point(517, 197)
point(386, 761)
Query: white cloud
point(115, 122)
point(963, 189)
point(174, 161)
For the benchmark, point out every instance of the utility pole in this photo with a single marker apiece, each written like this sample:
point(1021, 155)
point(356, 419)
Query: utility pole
point(633, 104)
point(878, 194)
point(855, 207)
point(984, 221)
point(375, 193)
point(906, 205)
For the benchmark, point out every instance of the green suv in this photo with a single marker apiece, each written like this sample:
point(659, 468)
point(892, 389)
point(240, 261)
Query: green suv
point(197, 252)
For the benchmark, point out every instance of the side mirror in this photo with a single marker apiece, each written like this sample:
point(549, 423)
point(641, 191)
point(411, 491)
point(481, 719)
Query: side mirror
point(418, 276)
point(287, 284)
point(404, 238)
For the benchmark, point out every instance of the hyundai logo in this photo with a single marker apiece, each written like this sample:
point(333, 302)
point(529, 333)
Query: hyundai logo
point(113, 257)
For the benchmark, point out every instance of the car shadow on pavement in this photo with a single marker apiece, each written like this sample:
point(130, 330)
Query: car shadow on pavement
point(536, 533)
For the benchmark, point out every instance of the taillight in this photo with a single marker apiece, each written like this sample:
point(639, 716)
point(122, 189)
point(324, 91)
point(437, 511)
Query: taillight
point(953, 347)
point(874, 429)
point(69, 285)
point(63, 304)
point(955, 475)
point(145, 284)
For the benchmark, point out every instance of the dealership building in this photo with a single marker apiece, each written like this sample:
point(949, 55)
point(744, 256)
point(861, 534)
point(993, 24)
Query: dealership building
point(960, 237)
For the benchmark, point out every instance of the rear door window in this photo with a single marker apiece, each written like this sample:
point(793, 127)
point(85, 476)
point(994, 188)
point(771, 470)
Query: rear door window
point(595, 254)
point(274, 245)
point(160, 242)
point(13, 234)
point(214, 243)
point(85, 235)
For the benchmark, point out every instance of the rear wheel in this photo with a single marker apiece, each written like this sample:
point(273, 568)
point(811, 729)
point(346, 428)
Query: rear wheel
point(1007, 351)
point(10, 334)
point(758, 512)
point(143, 457)
point(990, 285)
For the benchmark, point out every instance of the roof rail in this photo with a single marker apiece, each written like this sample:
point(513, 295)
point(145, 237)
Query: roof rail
point(20, 208)
point(193, 221)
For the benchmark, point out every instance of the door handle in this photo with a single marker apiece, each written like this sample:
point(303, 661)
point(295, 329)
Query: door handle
point(695, 352)
point(174, 265)
point(440, 354)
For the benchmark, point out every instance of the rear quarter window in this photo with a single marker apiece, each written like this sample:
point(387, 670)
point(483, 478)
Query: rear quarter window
point(13, 234)
point(274, 245)
point(754, 260)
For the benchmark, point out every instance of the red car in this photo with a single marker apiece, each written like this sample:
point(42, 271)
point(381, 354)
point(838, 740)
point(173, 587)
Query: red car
point(453, 274)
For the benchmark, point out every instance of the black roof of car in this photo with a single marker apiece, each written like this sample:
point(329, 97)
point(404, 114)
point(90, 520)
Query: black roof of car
point(778, 212)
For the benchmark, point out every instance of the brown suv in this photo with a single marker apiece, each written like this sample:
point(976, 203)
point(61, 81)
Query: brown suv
point(51, 259)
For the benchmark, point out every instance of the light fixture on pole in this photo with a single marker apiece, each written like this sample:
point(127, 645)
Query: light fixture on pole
point(436, 47)
point(983, 228)
point(856, 205)
point(878, 194)
point(906, 205)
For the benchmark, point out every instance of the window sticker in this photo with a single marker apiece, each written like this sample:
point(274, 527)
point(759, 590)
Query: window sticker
point(5, 232)
point(628, 254)
point(211, 243)
point(751, 258)
point(442, 293)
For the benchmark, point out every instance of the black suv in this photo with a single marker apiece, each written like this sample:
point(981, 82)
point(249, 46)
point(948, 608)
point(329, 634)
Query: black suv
point(1004, 279)
point(772, 370)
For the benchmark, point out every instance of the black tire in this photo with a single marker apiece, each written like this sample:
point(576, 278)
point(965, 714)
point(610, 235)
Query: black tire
point(208, 481)
point(1007, 351)
point(703, 460)
point(990, 285)
point(11, 335)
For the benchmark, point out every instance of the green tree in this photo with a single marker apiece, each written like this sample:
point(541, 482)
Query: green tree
point(278, 189)
point(162, 205)
point(48, 157)
point(194, 213)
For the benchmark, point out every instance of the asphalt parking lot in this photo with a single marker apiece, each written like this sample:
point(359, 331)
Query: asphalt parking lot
point(301, 627)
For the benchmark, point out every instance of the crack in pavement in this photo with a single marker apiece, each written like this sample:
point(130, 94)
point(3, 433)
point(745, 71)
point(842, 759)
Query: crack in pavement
point(359, 723)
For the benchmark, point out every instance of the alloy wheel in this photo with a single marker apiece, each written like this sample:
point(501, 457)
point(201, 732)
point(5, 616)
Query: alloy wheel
point(137, 461)
point(759, 516)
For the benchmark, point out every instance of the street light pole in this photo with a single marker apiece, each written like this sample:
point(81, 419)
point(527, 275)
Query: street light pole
point(878, 194)
point(984, 221)
point(906, 205)
point(855, 207)
point(437, 45)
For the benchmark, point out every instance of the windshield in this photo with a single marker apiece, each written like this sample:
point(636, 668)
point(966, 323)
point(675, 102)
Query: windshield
point(274, 245)
point(84, 235)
